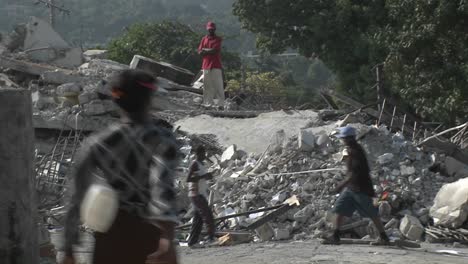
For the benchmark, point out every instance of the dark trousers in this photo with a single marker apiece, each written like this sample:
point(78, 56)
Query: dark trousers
point(202, 215)
point(129, 241)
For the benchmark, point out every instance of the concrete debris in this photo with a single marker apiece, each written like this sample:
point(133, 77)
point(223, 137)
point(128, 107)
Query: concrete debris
point(385, 158)
point(265, 232)
point(306, 140)
point(162, 69)
point(282, 234)
point(450, 207)
point(43, 44)
point(6, 82)
point(69, 89)
point(404, 185)
point(95, 54)
point(411, 228)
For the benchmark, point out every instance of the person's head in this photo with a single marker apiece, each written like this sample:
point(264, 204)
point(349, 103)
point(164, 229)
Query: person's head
point(200, 153)
point(347, 134)
point(211, 28)
point(132, 90)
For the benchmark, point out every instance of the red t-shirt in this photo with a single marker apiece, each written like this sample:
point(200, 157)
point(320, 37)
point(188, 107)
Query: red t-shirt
point(211, 61)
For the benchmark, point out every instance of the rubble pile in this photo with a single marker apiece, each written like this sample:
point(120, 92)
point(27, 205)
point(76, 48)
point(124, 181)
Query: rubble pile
point(310, 166)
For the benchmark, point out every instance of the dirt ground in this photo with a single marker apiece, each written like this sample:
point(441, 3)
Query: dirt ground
point(301, 252)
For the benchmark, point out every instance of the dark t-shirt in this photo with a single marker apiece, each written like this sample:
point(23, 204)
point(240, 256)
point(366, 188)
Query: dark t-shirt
point(358, 171)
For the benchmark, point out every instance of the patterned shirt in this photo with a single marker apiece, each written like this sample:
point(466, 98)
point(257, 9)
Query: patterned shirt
point(138, 161)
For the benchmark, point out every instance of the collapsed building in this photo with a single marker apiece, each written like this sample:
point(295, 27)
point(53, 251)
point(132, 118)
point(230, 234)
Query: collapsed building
point(275, 170)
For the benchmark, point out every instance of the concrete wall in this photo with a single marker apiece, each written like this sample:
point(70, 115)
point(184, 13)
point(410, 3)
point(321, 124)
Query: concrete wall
point(18, 229)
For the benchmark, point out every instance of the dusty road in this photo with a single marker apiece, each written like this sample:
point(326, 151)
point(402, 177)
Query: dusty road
point(313, 252)
point(298, 252)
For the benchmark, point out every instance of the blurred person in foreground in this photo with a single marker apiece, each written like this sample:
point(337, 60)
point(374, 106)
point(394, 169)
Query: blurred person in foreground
point(137, 159)
point(357, 191)
point(198, 194)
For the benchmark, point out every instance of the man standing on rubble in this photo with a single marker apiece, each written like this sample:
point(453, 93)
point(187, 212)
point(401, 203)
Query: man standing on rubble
point(137, 160)
point(210, 50)
point(198, 193)
point(358, 189)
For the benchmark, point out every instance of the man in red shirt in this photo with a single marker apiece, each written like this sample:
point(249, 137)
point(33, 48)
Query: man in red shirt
point(210, 50)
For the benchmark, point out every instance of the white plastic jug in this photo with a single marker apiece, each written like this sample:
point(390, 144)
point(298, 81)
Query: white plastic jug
point(99, 207)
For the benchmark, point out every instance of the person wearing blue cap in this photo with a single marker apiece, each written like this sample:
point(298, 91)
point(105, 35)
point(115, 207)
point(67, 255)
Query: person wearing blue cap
point(357, 190)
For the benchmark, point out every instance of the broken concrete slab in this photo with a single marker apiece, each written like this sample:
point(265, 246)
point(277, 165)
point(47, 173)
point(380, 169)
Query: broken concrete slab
point(450, 207)
point(61, 77)
point(95, 54)
point(23, 66)
point(6, 82)
point(306, 140)
point(411, 228)
point(163, 69)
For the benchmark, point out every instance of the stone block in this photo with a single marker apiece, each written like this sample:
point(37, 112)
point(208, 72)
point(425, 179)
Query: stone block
point(306, 140)
point(282, 234)
point(385, 158)
point(265, 232)
point(407, 170)
point(411, 228)
point(304, 214)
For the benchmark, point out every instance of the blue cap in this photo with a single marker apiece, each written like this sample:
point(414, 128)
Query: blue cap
point(346, 131)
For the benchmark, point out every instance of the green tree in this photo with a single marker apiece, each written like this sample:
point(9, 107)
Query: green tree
point(423, 45)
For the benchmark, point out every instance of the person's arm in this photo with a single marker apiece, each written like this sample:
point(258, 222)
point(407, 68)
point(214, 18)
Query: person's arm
point(81, 180)
point(342, 185)
point(214, 50)
point(191, 177)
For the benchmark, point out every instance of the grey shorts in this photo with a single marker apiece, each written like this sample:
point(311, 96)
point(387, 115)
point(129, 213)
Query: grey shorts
point(350, 201)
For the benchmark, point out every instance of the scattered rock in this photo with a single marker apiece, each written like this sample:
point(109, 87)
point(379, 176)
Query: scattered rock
point(411, 228)
point(282, 234)
point(306, 140)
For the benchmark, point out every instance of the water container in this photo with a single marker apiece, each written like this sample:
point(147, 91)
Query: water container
point(99, 207)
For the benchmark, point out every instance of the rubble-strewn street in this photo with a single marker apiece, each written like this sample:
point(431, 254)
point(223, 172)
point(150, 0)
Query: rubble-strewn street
point(305, 252)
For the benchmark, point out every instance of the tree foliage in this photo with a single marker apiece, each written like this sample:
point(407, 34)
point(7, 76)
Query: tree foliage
point(421, 42)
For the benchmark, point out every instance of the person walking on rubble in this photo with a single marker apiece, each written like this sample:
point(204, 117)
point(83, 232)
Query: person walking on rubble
point(357, 190)
point(137, 159)
point(198, 193)
point(213, 84)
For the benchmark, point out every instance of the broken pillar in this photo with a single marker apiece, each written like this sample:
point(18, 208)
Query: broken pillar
point(18, 228)
point(282, 234)
point(163, 69)
point(411, 228)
